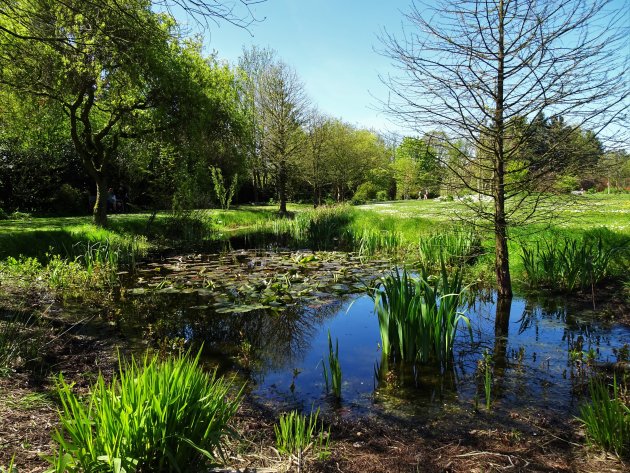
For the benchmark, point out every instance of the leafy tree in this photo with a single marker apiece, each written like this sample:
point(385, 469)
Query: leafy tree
point(470, 67)
point(283, 106)
point(115, 71)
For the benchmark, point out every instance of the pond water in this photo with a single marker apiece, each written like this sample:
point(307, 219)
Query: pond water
point(266, 315)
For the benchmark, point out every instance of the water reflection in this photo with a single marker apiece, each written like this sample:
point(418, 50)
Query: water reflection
point(539, 350)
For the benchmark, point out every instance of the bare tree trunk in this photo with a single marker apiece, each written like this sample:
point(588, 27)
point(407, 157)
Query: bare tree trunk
point(502, 261)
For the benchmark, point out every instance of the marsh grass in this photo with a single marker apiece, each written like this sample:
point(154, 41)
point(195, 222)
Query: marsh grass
point(418, 316)
point(454, 248)
point(297, 434)
point(606, 418)
point(572, 263)
point(155, 416)
point(332, 373)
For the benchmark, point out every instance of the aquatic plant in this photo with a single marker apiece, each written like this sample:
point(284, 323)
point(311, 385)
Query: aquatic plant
point(487, 378)
point(296, 433)
point(453, 248)
point(332, 374)
point(418, 316)
point(370, 242)
point(569, 263)
point(607, 418)
point(155, 416)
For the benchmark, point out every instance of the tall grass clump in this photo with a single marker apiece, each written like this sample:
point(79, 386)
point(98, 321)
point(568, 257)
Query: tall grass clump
point(297, 433)
point(454, 248)
point(155, 416)
point(569, 264)
point(332, 373)
point(607, 418)
point(418, 316)
point(370, 242)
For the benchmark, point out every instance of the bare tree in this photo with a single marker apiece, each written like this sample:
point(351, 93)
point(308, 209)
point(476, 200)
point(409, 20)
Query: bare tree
point(471, 69)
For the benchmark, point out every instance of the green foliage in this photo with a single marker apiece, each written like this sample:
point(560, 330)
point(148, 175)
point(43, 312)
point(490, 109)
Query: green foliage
point(155, 416)
point(3, 215)
point(567, 184)
point(571, 263)
point(365, 192)
point(297, 433)
point(453, 248)
point(370, 242)
point(607, 418)
point(223, 195)
point(332, 374)
point(69, 201)
point(418, 316)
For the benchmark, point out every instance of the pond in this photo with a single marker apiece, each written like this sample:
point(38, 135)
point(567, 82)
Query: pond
point(266, 316)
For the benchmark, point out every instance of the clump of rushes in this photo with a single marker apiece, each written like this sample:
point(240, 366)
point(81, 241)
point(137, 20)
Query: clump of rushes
point(332, 374)
point(569, 264)
point(418, 316)
point(607, 418)
point(453, 248)
point(156, 416)
point(296, 434)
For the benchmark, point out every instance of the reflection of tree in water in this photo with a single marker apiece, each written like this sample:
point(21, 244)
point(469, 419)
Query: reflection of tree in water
point(277, 338)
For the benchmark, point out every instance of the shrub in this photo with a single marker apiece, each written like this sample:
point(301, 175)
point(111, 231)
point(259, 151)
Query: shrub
point(366, 191)
point(382, 196)
point(69, 201)
point(607, 419)
point(158, 416)
point(3, 214)
point(20, 216)
point(567, 184)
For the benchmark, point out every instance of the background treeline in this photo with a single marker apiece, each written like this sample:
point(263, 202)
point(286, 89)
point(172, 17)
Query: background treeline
point(93, 98)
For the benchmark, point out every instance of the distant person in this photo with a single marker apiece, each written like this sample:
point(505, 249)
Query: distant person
point(426, 194)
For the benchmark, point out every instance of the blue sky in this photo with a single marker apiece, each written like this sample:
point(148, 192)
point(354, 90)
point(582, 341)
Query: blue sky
point(331, 44)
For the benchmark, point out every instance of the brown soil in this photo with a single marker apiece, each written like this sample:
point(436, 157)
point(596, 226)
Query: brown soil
point(462, 442)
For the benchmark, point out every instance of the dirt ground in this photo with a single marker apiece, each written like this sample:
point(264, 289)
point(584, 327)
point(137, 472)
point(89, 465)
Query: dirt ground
point(469, 442)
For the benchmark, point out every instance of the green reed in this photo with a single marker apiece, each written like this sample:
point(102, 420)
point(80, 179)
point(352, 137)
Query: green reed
point(332, 374)
point(155, 416)
point(297, 433)
point(453, 248)
point(418, 316)
point(568, 264)
point(607, 418)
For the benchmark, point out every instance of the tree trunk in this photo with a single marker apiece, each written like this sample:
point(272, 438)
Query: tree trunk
point(502, 262)
point(282, 187)
point(99, 213)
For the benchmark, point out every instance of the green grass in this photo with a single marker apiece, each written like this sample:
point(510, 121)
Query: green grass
point(156, 416)
point(402, 228)
point(297, 433)
point(607, 418)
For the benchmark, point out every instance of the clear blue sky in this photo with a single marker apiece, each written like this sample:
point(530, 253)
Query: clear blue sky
point(331, 44)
